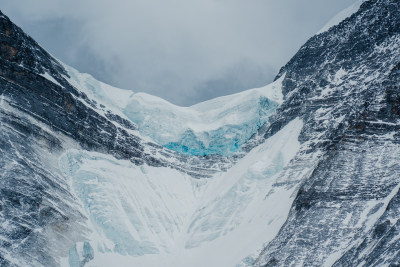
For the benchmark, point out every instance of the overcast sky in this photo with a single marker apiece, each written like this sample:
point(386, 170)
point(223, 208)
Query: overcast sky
point(184, 51)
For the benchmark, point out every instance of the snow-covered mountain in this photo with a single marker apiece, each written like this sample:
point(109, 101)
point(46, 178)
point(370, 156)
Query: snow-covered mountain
point(302, 172)
point(218, 126)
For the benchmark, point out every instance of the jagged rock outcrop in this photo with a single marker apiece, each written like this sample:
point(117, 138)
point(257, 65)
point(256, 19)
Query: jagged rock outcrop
point(344, 84)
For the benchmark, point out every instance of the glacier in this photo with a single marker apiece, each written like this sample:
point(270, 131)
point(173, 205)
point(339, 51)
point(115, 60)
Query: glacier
point(301, 172)
point(218, 126)
point(163, 215)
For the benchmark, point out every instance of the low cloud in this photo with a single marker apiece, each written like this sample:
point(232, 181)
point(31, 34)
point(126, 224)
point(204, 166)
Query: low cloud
point(183, 51)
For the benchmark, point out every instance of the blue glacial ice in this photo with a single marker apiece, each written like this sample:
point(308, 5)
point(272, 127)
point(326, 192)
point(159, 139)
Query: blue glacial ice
point(217, 126)
point(225, 140)
point(80, 254)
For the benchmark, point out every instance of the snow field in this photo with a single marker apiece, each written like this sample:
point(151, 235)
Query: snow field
point(146, 216)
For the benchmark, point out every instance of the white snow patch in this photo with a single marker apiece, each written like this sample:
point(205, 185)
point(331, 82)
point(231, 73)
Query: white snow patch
point(339, 76)
point(112, 98)
point(2, 99)
point(50, 78)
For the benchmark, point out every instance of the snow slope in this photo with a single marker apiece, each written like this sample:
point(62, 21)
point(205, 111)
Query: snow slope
point(218, 126)
point(142, 216)
point(345, 13)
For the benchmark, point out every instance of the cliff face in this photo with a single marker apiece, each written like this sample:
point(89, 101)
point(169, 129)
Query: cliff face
point(342, 89)
point(344, 84)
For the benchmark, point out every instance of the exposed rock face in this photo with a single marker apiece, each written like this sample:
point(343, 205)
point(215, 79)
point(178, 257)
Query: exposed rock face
point(344, 84)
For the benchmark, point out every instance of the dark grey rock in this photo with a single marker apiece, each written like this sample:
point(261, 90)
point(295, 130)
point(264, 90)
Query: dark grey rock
point(341, 207)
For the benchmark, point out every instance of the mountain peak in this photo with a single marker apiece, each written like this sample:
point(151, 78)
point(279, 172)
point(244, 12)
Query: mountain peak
point(345, 13)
